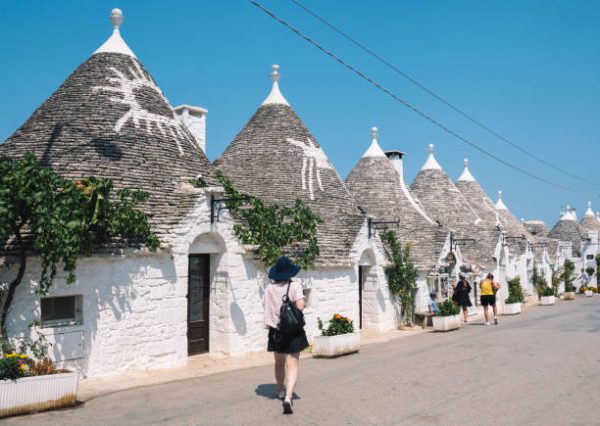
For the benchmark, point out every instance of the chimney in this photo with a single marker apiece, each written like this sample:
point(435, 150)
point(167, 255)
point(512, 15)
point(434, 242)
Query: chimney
point(194, 118)
point(396, 159)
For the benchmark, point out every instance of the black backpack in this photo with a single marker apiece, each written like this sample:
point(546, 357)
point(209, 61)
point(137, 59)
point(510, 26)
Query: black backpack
point(290, 317)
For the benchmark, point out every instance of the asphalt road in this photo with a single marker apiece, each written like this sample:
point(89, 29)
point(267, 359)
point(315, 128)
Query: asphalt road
point(540, 367)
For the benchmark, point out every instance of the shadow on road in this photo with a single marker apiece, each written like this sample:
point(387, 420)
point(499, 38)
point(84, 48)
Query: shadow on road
point(269, 390)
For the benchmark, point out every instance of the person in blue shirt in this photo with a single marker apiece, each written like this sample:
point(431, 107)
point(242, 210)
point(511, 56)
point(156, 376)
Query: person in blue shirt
point(433, 309)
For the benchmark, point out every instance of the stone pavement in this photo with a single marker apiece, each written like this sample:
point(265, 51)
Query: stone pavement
point(206, 365)
point(540, 367)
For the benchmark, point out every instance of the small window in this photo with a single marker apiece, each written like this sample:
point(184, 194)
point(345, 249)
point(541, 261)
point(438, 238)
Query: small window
point(590, 257)
point(61, 311)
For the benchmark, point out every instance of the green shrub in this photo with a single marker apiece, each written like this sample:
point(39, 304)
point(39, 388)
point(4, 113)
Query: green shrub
point(548, 292)
point(12, 366)
point(515, 292)
point(448, 308)
point(338, 324)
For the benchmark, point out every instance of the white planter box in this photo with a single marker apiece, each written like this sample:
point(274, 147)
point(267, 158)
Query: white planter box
point(569, 295)
point(331, 346)
point(38, 393)
point(548, 300)
point(589, 293)
point(448, 323)
point(511, 309)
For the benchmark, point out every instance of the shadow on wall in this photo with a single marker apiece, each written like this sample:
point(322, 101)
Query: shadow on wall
point(112, 289)
point(238, 318)
point(381, 300)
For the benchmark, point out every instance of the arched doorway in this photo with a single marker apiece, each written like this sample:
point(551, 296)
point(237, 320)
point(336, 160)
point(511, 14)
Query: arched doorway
point(204, 254)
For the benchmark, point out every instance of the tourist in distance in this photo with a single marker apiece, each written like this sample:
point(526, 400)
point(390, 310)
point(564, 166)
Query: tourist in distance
point(584, 278)
point(433, 309)
point(488, 297)
point(286, 346)
point(461, 295)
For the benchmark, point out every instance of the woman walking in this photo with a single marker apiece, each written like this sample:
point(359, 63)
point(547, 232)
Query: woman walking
point(286, 346)
point(461, 295)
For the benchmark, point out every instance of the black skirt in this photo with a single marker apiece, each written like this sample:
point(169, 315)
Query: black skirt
point(286, 343)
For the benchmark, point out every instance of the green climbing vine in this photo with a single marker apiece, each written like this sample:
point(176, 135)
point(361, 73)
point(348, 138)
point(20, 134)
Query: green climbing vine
point(401, 274)
point(62, 219)
point(272, 229)
point(567, 275)
point(539, 281)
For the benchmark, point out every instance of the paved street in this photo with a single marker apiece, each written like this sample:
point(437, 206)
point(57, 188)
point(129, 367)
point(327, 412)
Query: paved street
point(542, 367)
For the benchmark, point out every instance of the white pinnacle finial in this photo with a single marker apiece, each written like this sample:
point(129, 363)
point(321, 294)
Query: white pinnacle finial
point(570, 214)
point(589, 211)
point(374, 149)
point(500, 204)
point(466, 174)
point(116, 17)
point(275, 76)
point(115, 43)
point(431, 162)
point(275, 97)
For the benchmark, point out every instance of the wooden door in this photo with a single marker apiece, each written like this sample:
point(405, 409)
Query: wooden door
point(361, 279)
point(198, 303)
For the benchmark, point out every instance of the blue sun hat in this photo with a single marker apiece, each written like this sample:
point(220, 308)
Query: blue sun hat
point(283, 270)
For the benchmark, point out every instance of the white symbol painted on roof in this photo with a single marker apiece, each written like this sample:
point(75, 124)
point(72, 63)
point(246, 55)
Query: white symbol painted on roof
point(138, 112)
point(314, 160)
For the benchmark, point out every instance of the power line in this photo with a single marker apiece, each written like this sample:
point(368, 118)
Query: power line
point(406, 103)
point(438, 97)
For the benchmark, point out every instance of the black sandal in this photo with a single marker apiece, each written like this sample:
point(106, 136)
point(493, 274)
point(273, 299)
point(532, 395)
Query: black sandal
point(287, 406)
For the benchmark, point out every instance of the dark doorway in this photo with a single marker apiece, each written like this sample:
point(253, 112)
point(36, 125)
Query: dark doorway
point(361, 280)
point(198, 303)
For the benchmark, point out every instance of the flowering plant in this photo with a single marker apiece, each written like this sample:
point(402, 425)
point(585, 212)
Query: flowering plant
point(338, 324)
point(14, 366)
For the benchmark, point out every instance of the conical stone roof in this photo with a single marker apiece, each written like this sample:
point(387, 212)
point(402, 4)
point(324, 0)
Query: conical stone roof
point(444, 202)
point(590, 222)
point(381, 192)
point(491, 222)
point(276, 158)
point(536, 227)
point(567, 229)
point(110, 119)
point(512, 228)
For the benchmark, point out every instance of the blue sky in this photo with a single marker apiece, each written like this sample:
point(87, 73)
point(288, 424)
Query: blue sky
point(529, 70)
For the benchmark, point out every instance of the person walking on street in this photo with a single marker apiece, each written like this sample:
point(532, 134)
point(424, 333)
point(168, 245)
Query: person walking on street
point(286, 346)
point(461, 294)
point(488, 297)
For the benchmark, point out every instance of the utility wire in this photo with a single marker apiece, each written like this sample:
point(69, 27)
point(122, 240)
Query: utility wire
point(438, 97)
point(406, 103)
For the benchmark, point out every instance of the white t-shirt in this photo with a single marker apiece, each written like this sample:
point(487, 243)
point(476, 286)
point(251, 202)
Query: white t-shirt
point(273, 300)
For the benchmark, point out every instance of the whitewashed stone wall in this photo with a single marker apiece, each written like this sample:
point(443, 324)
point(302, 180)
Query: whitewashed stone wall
point(135, 306)
point(134, 314)
point(379, 312)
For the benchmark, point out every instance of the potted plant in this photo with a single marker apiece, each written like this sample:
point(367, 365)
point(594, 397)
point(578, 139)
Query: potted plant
point(448, 318)
point(548, 296)
point(339, 338)
point(587, 291)
point(28, 385)
point(515, 297)
point(569, 293)
point(567, 278)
